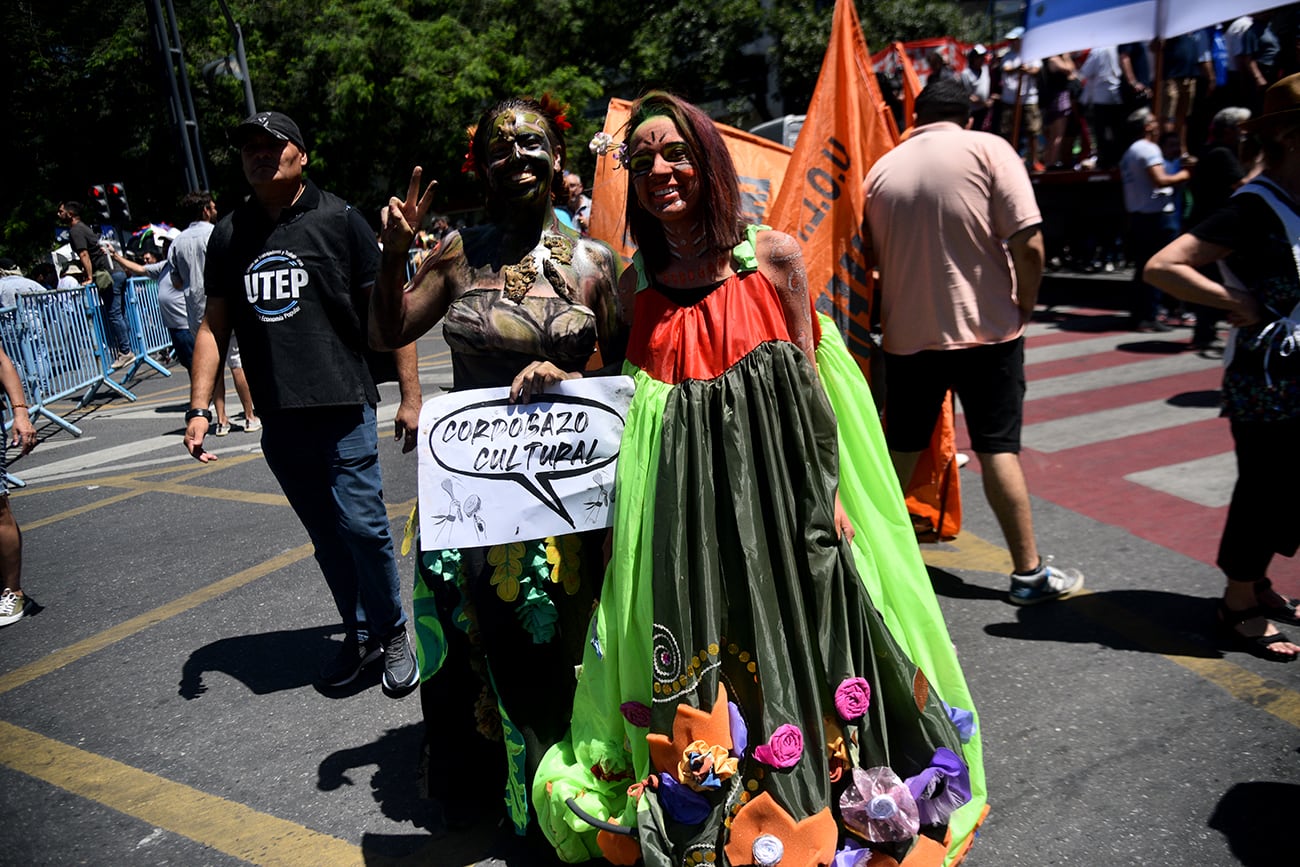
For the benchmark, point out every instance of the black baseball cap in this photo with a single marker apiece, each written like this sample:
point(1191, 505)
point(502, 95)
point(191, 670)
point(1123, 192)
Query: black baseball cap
point(276, 123)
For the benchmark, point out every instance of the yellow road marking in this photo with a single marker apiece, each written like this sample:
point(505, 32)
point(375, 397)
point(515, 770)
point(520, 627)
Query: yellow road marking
point(137, 487)
point(114, 634)
point(208, 820)
point(970, 552)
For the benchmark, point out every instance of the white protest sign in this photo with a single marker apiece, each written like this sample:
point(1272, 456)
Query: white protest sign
point(492, 471)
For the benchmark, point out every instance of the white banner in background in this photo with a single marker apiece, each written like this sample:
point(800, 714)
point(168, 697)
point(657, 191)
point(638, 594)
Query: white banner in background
point(493, 472)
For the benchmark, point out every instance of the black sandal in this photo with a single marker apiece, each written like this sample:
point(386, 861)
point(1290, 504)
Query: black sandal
point(1256, 645)
point(1287, 611)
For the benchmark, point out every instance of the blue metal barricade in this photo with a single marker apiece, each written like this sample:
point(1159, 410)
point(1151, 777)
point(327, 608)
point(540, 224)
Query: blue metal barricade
point(57, 340)
point(144, 321)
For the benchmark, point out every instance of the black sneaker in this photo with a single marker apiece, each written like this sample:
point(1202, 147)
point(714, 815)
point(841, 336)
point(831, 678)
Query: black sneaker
point(401, 671)
point(352, 657)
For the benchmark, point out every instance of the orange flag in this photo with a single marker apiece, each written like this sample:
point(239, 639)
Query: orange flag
point(911, 84)
point(847, 128)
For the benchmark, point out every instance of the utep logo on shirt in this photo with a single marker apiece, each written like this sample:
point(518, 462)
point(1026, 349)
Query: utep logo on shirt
point(273, 284)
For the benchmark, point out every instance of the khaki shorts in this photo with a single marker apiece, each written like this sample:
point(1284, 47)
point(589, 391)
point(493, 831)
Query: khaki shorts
point(1179, 94)
point(1031, 119)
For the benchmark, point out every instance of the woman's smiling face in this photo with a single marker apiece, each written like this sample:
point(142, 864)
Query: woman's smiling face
point(520, 157)
point(664, 177)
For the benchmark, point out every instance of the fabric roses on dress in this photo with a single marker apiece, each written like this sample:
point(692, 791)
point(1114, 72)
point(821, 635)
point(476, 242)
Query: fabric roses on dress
point(636, 713)
point(783, 749)
point(852, 698)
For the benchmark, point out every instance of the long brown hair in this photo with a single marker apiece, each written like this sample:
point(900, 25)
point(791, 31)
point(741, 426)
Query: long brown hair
point(720, 190)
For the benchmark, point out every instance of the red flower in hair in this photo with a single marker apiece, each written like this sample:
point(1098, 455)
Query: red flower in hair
point(555, 110)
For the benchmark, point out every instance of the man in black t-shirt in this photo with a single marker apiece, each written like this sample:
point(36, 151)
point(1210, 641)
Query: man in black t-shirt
point(290, 272)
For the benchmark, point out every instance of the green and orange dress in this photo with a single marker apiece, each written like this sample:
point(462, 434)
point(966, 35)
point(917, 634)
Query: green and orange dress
point(745, 665)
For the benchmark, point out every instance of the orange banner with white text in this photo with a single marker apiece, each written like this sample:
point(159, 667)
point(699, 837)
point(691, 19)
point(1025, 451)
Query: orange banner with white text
point(848, 127)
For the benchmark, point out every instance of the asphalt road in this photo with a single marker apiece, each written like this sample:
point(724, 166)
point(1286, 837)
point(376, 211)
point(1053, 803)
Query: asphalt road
point(159, 709)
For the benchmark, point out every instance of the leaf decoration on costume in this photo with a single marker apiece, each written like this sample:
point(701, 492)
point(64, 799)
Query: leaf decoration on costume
point(941, 788)
point(706, 766)
point(920, 690)
point(783, 749)
point(564, 555)
point(508, 562)
point(536, 611)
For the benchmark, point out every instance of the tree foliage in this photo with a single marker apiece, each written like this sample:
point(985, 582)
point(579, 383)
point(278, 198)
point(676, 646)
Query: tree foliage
point(377, 86)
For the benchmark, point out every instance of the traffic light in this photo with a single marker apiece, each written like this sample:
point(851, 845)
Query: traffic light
point(99, 203)
point(117, 203)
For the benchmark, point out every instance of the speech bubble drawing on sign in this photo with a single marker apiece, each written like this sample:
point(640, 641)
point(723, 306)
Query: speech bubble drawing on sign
point(492, 471)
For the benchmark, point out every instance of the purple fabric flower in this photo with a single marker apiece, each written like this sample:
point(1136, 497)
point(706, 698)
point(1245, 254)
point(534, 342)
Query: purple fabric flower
point(852, 855)
point(852, 698)
point(682, 803)
point(964, 720)
point(636, 713)
point(739, 731)
point(940, 788)
point(783, 749)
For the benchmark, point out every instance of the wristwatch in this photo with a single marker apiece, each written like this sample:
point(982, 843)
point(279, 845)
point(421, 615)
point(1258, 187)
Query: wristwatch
point(205, 414)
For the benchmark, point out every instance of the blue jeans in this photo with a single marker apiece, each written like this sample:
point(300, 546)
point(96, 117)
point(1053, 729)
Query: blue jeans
point(327, 463)
point(119, 335)
point(183, 343)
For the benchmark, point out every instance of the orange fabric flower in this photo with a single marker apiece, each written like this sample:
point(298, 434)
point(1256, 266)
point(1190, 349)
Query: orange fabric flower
point(690, 725)
point(809, 842)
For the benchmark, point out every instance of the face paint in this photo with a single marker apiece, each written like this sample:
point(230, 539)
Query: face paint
point(520, 157)
point(664, 177)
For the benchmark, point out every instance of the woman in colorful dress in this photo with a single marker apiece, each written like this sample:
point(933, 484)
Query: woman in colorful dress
point(750, 693)
point(524, 302)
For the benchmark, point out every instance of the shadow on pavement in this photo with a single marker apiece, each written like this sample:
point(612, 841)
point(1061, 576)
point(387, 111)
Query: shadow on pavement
point(1256, 818)
point(484, 845)
point(395, 781)
point(1148, 621)
point(300, 653)
point(949, 585)
point(1205, 398)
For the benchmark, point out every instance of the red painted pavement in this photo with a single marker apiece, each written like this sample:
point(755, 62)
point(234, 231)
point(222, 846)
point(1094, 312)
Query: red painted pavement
point(1090, 479)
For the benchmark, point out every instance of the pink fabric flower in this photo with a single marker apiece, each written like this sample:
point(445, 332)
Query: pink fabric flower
point(783, 749)
point(636, 713)
point(852, 698)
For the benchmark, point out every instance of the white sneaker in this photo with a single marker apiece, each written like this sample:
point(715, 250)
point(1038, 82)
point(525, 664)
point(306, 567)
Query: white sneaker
point(13, 606)
point(1046, 585)
point(221, 430)
point(253, 426)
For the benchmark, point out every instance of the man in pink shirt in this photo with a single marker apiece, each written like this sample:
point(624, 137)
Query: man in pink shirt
point(954, 229)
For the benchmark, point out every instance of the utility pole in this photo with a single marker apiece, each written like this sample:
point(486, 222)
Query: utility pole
point(167, 40)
